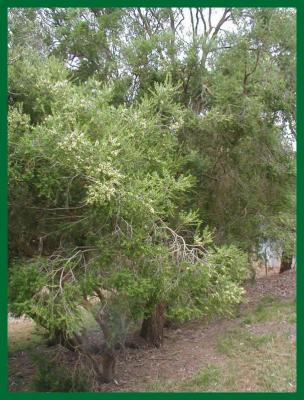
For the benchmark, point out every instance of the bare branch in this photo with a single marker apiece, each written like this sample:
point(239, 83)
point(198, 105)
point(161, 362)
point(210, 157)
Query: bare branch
point(197, 20)
point(145, 24)
point(182, 19)
point(57, 208)
point(209, 19)
point(181, 250)
point(247, 74)
point(192, 23)
point(203, 20)
point(226, 15)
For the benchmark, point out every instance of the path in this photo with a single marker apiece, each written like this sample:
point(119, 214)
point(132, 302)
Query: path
point(189, 348)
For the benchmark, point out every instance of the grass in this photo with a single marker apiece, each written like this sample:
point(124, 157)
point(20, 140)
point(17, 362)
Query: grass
point(239, 341)
point(24, 336)
point(262, 365)
point(206, 380)
point(272, 309)
point(246, 359)
point(257, 355)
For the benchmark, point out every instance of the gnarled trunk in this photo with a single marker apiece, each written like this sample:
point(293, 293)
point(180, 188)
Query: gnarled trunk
point(59, 336)
point(152, 329)
point(108, 359)
point(108, 362)
point(286, 263)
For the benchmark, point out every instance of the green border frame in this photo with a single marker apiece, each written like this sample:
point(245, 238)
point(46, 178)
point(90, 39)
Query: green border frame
point(4, 5)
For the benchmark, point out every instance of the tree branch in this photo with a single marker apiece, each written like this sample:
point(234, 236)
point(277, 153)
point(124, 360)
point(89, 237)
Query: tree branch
point(203, 20)
point(226, 15)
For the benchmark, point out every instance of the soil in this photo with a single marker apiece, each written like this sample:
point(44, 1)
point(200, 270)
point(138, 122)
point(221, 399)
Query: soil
point(185, 350)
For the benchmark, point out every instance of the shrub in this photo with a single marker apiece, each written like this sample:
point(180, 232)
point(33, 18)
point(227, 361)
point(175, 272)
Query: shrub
point(53, 378)
point(212, 287)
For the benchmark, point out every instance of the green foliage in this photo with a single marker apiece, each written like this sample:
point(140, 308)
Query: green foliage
point(37, 91)
point(110, 163)
point(50, 377)
point(230, 262)
point(36, 290)
point(141, 162)
point(25, 282)
point(210, 287)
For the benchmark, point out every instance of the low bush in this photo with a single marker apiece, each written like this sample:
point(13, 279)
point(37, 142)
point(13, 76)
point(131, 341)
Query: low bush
point(53, 378)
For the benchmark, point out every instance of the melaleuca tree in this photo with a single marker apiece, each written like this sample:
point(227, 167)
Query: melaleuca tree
point(134, 47)
point(105, 193)
point(127, 139)
point(240, 146)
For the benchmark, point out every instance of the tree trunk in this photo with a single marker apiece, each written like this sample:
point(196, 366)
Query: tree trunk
point(286, 263)
point(108, 362)
point(252, 259)
point(59, 336)
point(108, 359)
point(152, 329)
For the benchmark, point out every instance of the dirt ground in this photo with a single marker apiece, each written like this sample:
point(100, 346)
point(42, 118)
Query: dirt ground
point(185, 351)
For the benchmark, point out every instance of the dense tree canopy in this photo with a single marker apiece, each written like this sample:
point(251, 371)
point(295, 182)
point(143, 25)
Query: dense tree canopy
point(151, 151)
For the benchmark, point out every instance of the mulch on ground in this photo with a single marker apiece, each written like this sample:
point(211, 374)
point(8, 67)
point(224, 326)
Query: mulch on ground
point(184, 351)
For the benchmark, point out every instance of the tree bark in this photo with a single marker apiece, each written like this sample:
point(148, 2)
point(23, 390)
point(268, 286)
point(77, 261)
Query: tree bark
point(108, 362)
point(286, 263)
point(152, 329)
point(81, 343)
point(59, 337)
point(252, 259)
